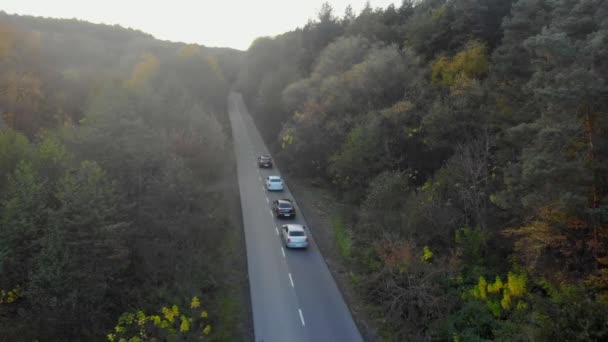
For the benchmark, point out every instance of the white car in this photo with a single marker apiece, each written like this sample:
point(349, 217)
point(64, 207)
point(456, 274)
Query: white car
point(294, 236)
point(274, 183)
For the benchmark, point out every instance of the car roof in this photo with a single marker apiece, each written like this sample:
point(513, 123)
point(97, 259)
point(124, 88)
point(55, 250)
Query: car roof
point(285, 200)
point(274, 177)
point(264, 156)
point(294, 227)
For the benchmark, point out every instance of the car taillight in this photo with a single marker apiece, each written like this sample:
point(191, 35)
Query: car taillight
point(288, 240)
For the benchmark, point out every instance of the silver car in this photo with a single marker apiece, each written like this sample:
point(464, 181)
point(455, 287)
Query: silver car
point(294, 236)
point(274, 183)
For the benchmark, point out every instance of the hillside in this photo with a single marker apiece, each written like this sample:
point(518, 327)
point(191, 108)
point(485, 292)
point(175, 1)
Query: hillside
point(469, 140)
point(117, 215)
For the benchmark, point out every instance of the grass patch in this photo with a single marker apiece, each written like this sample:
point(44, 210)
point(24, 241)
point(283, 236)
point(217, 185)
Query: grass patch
point(230, 316)
point(342, 237)
point(229, 310)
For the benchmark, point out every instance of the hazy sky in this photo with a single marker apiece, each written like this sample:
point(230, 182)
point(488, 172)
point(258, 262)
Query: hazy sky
point(231, 23)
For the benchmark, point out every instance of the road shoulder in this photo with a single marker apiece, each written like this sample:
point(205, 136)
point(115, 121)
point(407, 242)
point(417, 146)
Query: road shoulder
point(317, 206)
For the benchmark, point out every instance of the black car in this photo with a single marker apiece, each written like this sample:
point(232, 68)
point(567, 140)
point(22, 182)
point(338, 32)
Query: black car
point(264, 161)
point(284, 208)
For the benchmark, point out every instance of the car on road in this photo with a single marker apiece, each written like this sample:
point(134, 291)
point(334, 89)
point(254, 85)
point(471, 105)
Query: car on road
point(294, 236)
point(274, 183)
point(265, 162)
point(284, 208)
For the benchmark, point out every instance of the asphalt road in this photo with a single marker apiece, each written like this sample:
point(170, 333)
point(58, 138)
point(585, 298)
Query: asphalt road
point(293, 295)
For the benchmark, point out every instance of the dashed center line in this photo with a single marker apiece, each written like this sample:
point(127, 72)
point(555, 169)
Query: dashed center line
point(302, 317)
point(277, 230)
point(267, 200)
point(270, 212)
point(291, 280)
point(283, 251)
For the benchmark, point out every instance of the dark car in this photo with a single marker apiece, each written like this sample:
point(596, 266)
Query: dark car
point(264, 161)
point(284, 208)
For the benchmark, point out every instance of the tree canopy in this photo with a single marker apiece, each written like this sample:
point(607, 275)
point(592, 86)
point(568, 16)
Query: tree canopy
point(470, 137)
point(114, 185)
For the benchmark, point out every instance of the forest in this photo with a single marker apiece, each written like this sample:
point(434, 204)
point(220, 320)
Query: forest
point(117, 215)
point(469, 140)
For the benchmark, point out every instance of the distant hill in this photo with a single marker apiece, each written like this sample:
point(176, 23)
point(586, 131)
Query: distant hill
point(72, 44)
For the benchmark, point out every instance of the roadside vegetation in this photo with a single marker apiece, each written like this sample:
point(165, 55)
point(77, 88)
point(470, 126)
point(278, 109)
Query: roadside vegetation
point(342, 237)
point(471, 137)
point(114, 218)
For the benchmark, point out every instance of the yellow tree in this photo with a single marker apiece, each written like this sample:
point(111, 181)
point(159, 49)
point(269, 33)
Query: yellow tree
point(460, 71)
point(7, 41)
point(143, 71)
point(20, 97)
point(20, 86)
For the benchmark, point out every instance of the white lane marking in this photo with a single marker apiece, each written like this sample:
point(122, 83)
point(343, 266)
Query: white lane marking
point(277, 230)
point(283, 251)
point(291, 280)
point(271, 214)
point(267, 200)
point(302, 317)
point(263, 188)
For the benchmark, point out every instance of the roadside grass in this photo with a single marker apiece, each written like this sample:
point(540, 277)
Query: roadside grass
point(229, 317)
point(229, 306)
point(342, 237)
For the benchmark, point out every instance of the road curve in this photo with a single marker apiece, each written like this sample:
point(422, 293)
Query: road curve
point(293, 295)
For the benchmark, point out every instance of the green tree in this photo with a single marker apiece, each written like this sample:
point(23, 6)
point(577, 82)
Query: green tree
point(82, 254)
point(24, 216)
